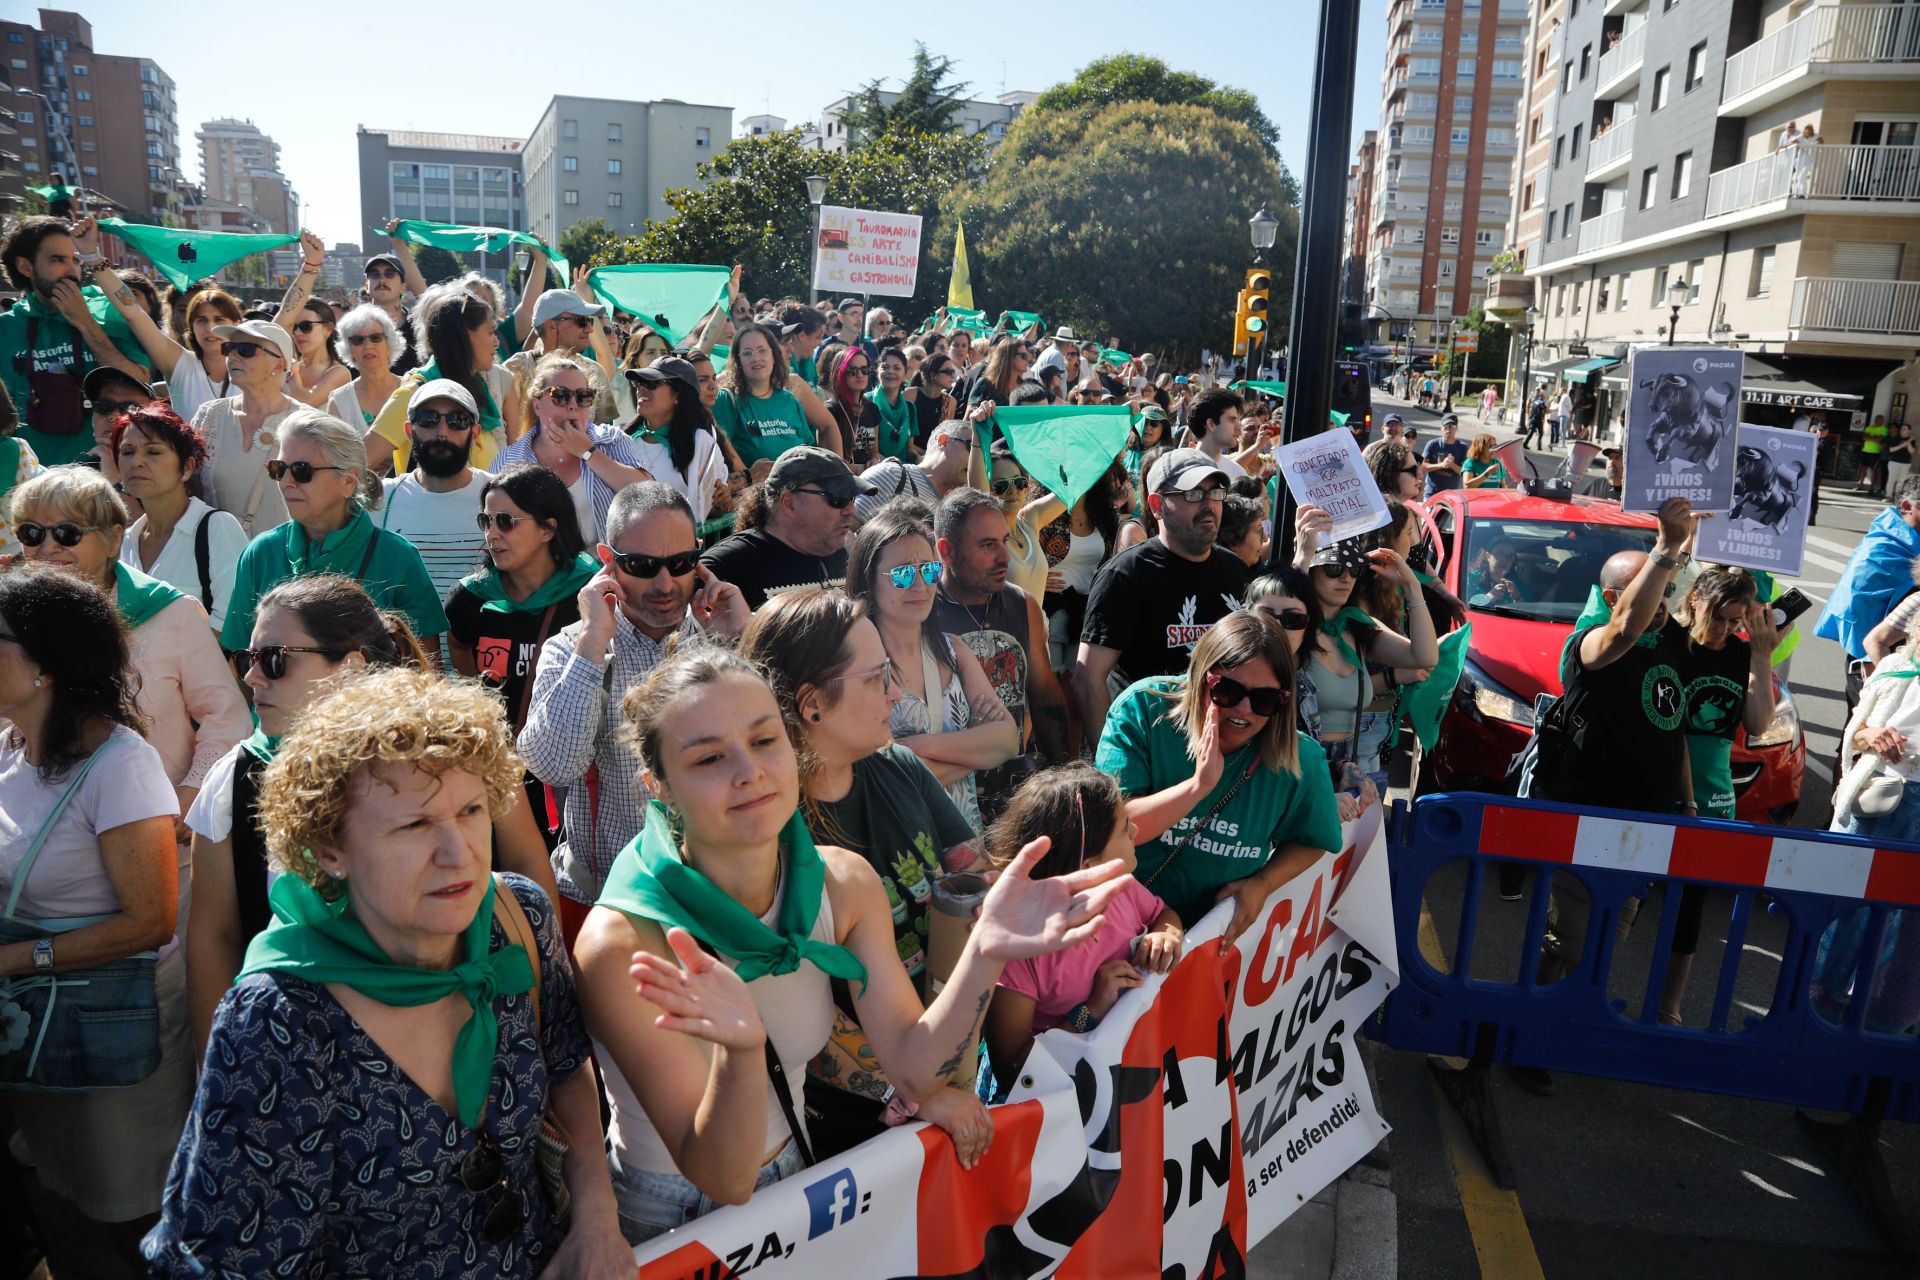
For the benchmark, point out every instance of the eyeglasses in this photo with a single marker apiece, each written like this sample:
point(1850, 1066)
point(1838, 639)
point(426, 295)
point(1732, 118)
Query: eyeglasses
point(433, 419)
point(839, 502)
point(1194, 497)
point(635, 565)
point(308, 326)
point(245, 350)
point(902, 575)
point(1225, 692)
point(66, 533)
point(498, 519)
point(1018, 484)
point(485, 1169)
point(362, 339)
point(564, 396)
point(114, 408)
point(273, 658)
point(302, 472)
point(886, 673)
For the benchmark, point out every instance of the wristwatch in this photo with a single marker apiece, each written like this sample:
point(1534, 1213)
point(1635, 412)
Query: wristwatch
point(43, 956)
point(591, 450)
point(1664, 561)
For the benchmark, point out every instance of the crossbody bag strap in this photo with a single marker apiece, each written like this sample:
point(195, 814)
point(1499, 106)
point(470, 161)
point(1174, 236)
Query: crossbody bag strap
point(1201, 825)
point(25, 868)
point(513, 920)
point(777, 1077)
point(539, 642)
point(366, 560)
point(203, 559)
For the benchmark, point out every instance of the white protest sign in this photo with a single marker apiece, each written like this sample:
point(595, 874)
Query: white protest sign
point(865, 251)
point(1772, 497)
point(1683, 404)
point(1327, 471)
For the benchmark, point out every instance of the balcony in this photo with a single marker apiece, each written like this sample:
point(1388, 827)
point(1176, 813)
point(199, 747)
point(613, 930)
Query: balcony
point(1609, 154)
point(1620, 66)
point(1870, 177)
point(1828, 304)
point(1598, 233)
point(1622, 6)
point(1829, 42)
point(1509, 291)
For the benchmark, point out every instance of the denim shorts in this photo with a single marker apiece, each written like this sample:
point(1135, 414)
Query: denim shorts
point(653, 1204)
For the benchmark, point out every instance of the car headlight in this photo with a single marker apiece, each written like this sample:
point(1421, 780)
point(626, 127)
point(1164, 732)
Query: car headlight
point(1784, 727)
point(1488, 699)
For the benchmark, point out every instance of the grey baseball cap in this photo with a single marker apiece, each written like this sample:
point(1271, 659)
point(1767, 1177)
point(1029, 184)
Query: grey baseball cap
point(1182, 469)
point(806, 464)
point(562, 302)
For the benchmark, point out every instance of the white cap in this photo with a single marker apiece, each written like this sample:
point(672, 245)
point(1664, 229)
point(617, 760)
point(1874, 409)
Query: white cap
point(562, 302)
point(445, 389)
point(262, 331)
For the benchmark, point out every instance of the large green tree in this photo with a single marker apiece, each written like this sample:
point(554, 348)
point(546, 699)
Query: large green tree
point(1134, 77)
point(1129, 221)
point(437, 264)
point(928, 101)
point(581, 241)
point(751, 206)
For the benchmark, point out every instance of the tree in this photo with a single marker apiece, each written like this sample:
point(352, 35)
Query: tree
point(1133, 77)
point(927, 102)
point(580, 242)
point(1128, 220)
point(1496, 340)
point(436, 264)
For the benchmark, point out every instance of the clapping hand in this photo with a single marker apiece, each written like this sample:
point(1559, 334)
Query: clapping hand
point(699, 996)
point(1023, 917)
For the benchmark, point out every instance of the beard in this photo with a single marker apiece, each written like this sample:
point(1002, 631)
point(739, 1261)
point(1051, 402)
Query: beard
point(442, 459)
point(43, 285)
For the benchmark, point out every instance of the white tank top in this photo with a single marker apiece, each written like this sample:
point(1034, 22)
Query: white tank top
point(1081, 562)
point(797, 1010)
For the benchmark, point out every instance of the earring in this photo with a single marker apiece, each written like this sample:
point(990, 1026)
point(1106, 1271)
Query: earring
point(38, 682)
point(815, 717)
point(336, 873)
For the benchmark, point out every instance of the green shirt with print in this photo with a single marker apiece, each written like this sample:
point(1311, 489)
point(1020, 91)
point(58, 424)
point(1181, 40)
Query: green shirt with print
point(1145, 750)
point(385, 563)
point(1716, 701)
point(57, 347)
point(762, 427)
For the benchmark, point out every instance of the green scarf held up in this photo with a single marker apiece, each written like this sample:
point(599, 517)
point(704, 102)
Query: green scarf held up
point(896, 423)
point(139, 596)
point(457, 237)
point(490, 419)
point(185, 256)
point(320, 941)
point(670, 298)
point(261, 747)
point(649, 880)
point(1021, 321)
point(565, 583)
point(1068, 448)
point(1335, 629)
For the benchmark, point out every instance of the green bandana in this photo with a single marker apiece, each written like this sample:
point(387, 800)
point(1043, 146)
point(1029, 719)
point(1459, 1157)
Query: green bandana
point(1907, 672)
point(339, 552)
point(1270, 388)
point(320, 941)
point(1598, 611)
point(1425, 703)
point(139, 596)
point(458, 238)
point(1336, 630)
point(722, 352)
point(896, 423)
point(185, 256)
point(261, 747)
point(565, 582)
point(1065, 447)
point(1021, 321)
point(671, 299)
point(51, 194)
point(490, 419)
point(648, 879)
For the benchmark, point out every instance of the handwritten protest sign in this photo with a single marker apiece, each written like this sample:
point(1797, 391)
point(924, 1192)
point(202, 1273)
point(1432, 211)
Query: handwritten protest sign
point(1772, 496)
point(1680, 419)
point(1327, 471)
point(865, 251)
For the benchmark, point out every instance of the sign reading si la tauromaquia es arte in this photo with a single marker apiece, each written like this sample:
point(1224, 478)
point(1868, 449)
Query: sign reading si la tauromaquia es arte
point(1213, 1100)
point(1772, 497)
point(1328, 471)
point(865, 251)
point(1680, 427)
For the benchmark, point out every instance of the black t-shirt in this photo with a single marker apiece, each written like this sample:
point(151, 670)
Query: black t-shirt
point(410, 357)
point(999, 633)
point(761, 566)
point(1627, 728)
point(506, 646)
point(1153, 606)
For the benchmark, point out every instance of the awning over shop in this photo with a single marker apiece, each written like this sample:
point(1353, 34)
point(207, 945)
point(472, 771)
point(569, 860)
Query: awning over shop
point(1548, 372)
point(1765, 384)
point(1586, 368)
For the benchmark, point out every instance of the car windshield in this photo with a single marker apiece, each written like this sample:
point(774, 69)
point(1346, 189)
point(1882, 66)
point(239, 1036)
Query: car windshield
point(1540, 569)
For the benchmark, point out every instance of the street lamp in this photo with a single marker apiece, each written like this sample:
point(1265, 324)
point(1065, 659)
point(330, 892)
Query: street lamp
point(1261, 229)
point(816, 194)
point(1526, 367)
point(1677, 294)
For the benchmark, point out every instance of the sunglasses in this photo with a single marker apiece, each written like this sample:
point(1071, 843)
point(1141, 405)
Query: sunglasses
point(485, 1169)
point(1290, 619)
point(498, 519)
point(1336, 571)
point(1410, 471)
point(859, 370)
point(245, 350)
point(114, 408)
point(839, 502)
point(383, 273)
point(302, 472)
point(273, 658)
point(429, 419)
point(1226, 693)
point(66, 533)
point(902, 575)
point(362, 339)
point(564, 396)
point(308, 326)
point(1001, 488)
point(635, 565)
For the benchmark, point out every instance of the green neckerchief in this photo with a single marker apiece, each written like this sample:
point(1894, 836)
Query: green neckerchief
point(896, 422)
point(339, 552)
point(648, 879)
point(489, 411)
point(261, 747)
point(1336, 630)
point(139, 596)
point(1907, 672)
point(652, 435)
point(566, 581)
point(320, 941)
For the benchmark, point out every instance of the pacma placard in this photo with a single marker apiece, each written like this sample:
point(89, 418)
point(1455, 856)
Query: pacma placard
point(1772, 496)
point(1680, 427)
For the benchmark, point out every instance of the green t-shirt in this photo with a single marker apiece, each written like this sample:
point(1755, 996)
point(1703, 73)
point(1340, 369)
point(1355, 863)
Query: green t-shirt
point(762, 427)
point(509, 342)
point(806, 367)
point(1144, 749)
point(1716, 696)
point(388, 567)
point(1472, 469)
point(55, 347)
point(901, 820)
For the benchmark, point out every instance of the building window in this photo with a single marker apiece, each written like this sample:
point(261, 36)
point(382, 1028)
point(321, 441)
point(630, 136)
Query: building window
point(16, 37)
point(1566, 75)
point(1573, 149)
point(1458, 137)
point(703, 138)
point(80, 70)
point(1533, 130)
point(613, 199)
point(1586, 60)
point(1682, 175)
point(1600, 293)
point(1449, 235)
point(569, 129)
point(1578, 290)
point(83, 95)
point(1559, 150)
point(439, 173)
point(1457, 171)
point(1696, 66)
point(31, 166)
point(570, 164)
point(613, 131)
point(1446, 269)
point(29, 141)
point(1426, 66)
point(1661, 79)
point(1626, 280)
point(1506, 69)
point(569, 197)
point(1760, 278)
point(1422, 132)
point(1526, 197)
point(25, 117)
point(86, 122)
point(1463, 68)
point(1649, 186)
point(1560, 300)
point(1695, 269)
point(1661, 279)
point(1566, 219)
point(90, 171)
point(404, 170)
point(88, 145)
point(613, 166)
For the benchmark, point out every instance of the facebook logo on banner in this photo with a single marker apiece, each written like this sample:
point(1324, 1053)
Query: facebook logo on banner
point(831, 1202)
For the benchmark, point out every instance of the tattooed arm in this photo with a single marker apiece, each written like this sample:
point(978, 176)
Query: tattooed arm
point(848, 1063)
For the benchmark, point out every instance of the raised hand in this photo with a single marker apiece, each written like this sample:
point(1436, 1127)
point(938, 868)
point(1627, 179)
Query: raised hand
point(717, 606)
point(1390, 564)
point(598, 602)
point(699, 996)
point(1023, 917)
point(86, 234)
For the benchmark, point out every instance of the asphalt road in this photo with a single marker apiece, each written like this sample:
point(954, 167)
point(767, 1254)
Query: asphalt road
point(1616, 1179)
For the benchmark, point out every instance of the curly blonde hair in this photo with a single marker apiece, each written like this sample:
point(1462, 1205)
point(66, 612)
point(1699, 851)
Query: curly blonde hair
point(388, 716)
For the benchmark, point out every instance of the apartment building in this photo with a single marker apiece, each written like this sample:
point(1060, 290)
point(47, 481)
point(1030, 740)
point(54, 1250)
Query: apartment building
point(1441, 195)
point(613, 159)
point(1663, 188)
point(106, 122)
point(1357, 233)
point(990, 116)
point(241, 165)
point(468, 178)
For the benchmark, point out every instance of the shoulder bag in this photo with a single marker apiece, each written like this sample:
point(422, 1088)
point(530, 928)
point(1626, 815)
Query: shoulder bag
point(553, 1144)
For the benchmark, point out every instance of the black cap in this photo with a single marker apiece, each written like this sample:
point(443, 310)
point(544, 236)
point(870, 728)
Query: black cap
point(392, 260)
point(672, 369)
point(94, 386)
point(806, 464)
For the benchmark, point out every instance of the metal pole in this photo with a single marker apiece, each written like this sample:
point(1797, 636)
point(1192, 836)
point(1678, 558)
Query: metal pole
point(813, 259)
point(1313, 327)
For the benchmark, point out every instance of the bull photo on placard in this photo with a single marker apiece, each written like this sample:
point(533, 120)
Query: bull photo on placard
point(1683, 407)
point(1772, 497)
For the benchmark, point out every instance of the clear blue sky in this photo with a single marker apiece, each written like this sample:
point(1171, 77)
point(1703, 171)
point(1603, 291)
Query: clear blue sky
point(310, 76)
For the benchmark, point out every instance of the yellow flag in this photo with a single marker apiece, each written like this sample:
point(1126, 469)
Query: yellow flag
point(960, 287)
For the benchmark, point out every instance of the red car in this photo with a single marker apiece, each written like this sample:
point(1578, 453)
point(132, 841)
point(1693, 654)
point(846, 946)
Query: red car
point(1556, 549)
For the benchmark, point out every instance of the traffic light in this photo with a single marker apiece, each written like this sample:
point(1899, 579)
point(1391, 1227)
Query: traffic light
point(1250, 317)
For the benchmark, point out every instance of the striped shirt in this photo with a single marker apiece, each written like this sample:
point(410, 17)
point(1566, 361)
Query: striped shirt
point(440, 526)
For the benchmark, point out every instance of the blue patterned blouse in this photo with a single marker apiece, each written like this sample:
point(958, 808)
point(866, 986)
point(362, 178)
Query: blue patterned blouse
point(309, 1153)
